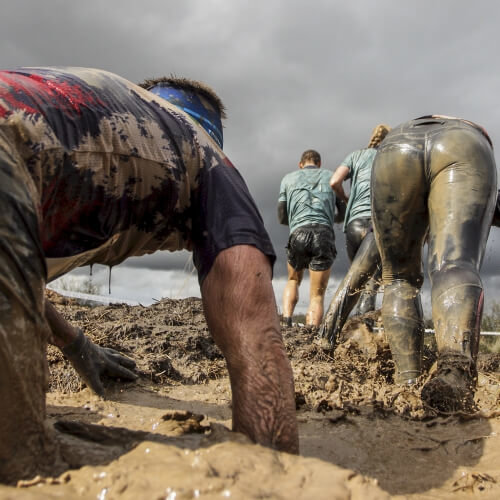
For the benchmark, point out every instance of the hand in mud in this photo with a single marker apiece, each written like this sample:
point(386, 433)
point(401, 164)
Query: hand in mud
point(91, 361)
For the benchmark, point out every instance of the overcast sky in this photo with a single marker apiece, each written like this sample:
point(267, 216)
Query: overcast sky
point(294, 75)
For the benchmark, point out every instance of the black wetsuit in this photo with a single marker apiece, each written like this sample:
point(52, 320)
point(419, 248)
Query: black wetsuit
point(433, 177)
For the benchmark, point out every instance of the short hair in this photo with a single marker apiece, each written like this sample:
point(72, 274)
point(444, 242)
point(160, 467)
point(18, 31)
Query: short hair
point(195, 86)
point(311, 156)
point(378, 135)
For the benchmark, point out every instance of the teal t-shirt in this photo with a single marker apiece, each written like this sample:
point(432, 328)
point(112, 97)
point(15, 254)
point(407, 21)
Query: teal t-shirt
point(309, 197)
point(359, 164)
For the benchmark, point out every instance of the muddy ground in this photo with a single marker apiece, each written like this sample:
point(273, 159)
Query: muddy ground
point(166, 436)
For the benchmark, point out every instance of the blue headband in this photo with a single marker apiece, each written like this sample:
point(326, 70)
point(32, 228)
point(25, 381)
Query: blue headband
point(190, 102)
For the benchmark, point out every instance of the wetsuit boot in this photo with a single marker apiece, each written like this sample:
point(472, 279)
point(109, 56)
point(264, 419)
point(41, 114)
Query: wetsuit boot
point(403, 324)
point(366, 302)
point(457, 313)
point(406, 342)
point(451, 389)
point(368, 299)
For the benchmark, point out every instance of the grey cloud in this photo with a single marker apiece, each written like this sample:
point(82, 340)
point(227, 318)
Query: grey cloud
point(293, 74)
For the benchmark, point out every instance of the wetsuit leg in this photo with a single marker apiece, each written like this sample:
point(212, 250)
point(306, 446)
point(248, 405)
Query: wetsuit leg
point(399, 214)
point(354, 235)
point(25, 445)
point(362, 268)
point(461, 205)
point(356, 231)
point(368, 299)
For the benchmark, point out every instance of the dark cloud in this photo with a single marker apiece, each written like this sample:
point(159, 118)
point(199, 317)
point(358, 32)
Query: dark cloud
point(294, 75)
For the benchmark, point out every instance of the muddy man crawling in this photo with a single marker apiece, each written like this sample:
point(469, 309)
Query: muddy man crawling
point(95, 169)
point(433, 178)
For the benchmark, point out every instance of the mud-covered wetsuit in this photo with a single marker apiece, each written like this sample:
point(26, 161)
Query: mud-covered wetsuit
point(310, 207)
point(433, 177)
point(94, 169)
point(358, 222)
point(361, 283)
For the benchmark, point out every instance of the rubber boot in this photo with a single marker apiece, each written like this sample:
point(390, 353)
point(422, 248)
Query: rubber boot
point(287, 321)
point(341, 305)
point(368, 299)
point(366, 303)
point(402, 317)
point(406, 340)
point(451, 389)
point(457, 312)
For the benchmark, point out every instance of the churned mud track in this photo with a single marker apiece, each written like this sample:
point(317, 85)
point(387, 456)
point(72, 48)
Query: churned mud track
point(167, 434)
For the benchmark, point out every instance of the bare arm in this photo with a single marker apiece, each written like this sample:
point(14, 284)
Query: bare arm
point(336, 182)
point(282, 213)
point(241, 313)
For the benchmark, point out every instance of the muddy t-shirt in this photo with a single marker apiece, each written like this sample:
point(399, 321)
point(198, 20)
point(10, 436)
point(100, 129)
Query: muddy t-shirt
point(359, 164)
point(119, 172)
point(309, 197)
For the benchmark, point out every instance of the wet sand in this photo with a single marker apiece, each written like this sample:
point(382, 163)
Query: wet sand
point(167, 436)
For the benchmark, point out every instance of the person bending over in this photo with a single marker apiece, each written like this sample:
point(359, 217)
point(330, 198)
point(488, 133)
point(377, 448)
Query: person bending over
point(95, 169)
point(434, 178)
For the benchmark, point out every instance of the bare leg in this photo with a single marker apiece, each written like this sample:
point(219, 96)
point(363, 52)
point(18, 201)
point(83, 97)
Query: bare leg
point(241, 313)
point(318, 284)
point(291, 293)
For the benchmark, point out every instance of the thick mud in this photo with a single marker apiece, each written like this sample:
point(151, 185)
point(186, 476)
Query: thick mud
point(167, 435)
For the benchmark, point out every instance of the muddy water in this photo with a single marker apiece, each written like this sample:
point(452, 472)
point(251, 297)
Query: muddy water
point(167, 437)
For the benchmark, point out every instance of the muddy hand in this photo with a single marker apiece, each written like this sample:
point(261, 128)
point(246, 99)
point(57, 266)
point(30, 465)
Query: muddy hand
point(92, 361)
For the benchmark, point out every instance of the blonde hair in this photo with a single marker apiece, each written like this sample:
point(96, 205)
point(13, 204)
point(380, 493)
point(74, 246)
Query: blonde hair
point(378, 135)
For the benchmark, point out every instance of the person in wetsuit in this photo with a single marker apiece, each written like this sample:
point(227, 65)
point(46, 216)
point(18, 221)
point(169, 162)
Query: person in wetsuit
point(357, 166)
point(307, 205)
point(434, 178)
point(95, 169)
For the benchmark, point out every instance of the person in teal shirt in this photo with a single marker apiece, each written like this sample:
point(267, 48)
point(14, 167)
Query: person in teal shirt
point(357, 167)
point(307, 205)
point(360, 242)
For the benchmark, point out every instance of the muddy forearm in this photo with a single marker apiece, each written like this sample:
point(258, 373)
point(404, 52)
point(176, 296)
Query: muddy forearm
point(336, 182)
point(241, 314)
point(63, 333)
